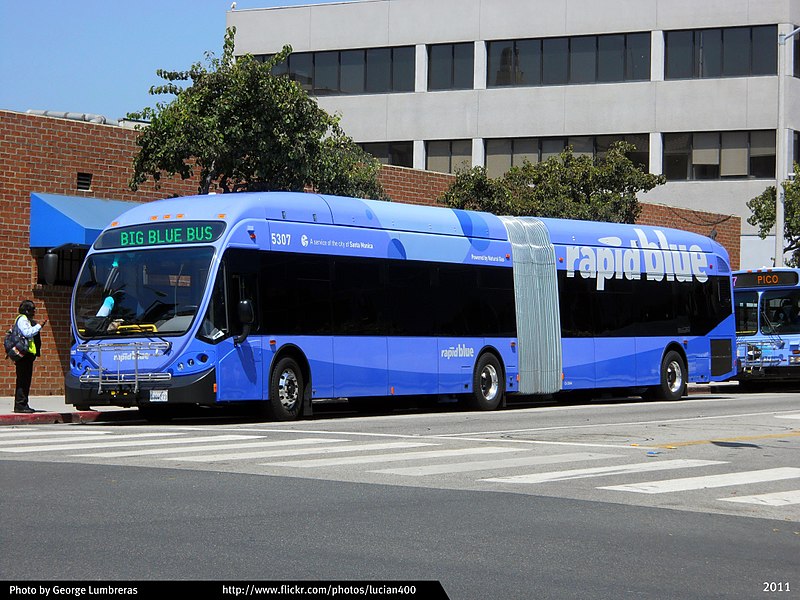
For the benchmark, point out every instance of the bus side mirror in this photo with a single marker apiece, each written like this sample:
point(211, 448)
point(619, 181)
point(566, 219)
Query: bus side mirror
point(247, 317)
point(50, 267)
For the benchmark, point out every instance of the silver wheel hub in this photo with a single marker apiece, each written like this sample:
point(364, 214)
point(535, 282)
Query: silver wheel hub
point(490, 382)
point(674, 376)
point(288, 389)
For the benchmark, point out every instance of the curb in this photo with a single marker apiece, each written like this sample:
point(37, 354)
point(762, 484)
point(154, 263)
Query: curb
point(82, 416)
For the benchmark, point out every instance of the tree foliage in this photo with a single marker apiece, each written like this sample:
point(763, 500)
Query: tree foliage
point(763, 217)
point(566, 186)
point(238, 126)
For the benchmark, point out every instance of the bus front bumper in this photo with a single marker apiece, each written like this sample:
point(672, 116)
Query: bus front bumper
point(188, 389)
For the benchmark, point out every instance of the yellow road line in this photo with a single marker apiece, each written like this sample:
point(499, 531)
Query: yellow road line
point(745, 438)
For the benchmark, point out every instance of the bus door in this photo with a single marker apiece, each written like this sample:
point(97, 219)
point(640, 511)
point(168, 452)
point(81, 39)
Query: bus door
point(240, 366)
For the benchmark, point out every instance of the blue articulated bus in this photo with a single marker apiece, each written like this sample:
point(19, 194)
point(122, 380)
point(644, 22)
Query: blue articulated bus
point(285, 298)
point(767, 307)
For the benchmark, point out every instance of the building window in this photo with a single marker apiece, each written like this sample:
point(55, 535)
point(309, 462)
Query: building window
point(575, 60)
point(448, 156)
point(796, 154)
point(719, 155)
point(797, 64)
point(450, 66)
point(370, 71)
point(504, 153)
point(399, 154)
point(721, 52)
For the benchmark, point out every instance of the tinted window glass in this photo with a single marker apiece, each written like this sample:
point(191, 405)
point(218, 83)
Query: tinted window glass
point(637, 56)
point(301, 69)
point(352, 72)
point(379, 70)
point(555, 61)
point(680, 54)
point(583, 59)
point(710, 52)
point(403, 69)
point(765, 50)
point(359, 300)
point(326, 73)
point(500, 63)
point(736, 52)
point(463, 72)
point(528, 62)
point(440, 67)
point(610, 58)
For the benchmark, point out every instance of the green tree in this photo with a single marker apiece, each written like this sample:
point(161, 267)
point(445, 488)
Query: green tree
point(238, 126)
point(564, 186)
point(763, 217)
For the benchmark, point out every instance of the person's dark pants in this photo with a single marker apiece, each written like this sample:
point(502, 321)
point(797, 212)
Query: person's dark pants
point(24, 377)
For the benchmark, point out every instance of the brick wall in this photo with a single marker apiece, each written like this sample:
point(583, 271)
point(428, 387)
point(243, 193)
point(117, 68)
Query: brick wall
point(45, 154)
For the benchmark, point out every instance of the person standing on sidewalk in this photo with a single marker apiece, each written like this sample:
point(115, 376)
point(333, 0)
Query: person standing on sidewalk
point(30, 329)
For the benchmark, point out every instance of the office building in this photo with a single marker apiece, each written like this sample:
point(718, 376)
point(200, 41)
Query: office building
point(442, 84)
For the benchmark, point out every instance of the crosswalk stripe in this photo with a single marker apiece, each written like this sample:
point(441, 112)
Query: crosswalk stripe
point(383, 458)
point(206, 448)
point(29, 433)
point(709, 481)
point(774, 499)
point(603, 471)
point(302, 451)
point(72, 439)
point(128, 442)
point(503, 463)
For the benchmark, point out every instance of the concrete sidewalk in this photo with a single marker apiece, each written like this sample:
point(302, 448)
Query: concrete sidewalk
point(53, 409)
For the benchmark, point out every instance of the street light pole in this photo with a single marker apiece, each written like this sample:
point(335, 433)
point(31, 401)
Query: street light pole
point(781, 149)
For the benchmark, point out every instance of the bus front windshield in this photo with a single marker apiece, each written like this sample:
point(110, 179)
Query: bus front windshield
point(141, 292)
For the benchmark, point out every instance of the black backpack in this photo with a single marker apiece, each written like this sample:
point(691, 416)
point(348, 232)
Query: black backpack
point(15, 343)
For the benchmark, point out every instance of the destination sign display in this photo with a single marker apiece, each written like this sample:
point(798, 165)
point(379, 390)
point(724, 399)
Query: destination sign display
point(757, 279)
point(161, 234)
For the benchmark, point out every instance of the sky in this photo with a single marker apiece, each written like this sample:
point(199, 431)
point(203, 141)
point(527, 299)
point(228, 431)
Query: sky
point(101, 56)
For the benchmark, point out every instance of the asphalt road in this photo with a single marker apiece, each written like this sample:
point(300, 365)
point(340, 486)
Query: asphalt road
point(612, 499)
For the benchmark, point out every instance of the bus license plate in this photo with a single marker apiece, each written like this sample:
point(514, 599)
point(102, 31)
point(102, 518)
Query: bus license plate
point(158, 395)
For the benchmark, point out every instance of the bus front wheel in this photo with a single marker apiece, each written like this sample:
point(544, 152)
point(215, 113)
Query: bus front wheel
point(488, 384)
point(286, 390)
point(673, 378)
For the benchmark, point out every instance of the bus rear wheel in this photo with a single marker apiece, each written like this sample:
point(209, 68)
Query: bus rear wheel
point(488, 384)
point(673, 378)
point(286, 391)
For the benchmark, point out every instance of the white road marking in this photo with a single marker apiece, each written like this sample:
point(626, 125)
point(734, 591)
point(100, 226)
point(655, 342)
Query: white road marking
point(383, 458)
point(301, 451)
point(206, 448)
point(774, 499)
point(604, 471)
point(131, 440)
point(502, 463)
point(709, 481)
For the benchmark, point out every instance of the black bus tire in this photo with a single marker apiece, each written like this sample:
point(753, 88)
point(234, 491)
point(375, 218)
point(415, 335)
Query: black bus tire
point(286, 391)
point(672, 376)
point(488, 384)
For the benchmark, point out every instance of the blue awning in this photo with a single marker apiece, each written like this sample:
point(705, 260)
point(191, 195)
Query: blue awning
point(59, 220)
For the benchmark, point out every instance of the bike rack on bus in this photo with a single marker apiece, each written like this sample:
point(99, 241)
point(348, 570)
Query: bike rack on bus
point(757, 355)
point(102, 376)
